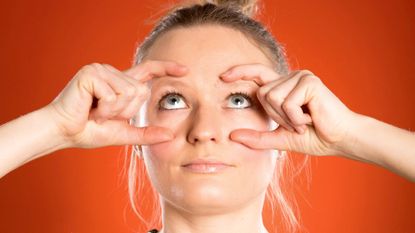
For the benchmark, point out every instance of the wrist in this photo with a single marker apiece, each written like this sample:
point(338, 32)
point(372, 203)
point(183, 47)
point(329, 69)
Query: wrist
point(28, 137)
point(358, 143)
point(55, 133)
point(347, 146)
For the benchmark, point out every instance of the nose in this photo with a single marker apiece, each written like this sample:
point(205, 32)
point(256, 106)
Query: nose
point(205, 126)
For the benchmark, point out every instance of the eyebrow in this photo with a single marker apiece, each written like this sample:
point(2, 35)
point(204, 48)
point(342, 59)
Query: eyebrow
point(178, 81)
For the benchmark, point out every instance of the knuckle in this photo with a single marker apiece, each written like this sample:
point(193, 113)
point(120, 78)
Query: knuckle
point(295, 72)
point(261, 92)
point(96, 65)
point(290, 111)
point(109, 67)
point(286, 106)
point(86, 74)
point(273, 96)
point(93, 71)
point(306, 72)
point(311, 79)
point(87, 69)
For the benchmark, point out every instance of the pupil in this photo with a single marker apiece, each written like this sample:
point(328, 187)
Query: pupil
point(238, 101)
point(173, 100)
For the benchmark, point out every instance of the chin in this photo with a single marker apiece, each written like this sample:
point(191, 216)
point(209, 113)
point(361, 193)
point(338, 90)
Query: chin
point(205, 195)
point(206, 200)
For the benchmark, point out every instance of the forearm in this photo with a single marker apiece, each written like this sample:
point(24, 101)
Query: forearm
point(26, 138)
point(383, 144)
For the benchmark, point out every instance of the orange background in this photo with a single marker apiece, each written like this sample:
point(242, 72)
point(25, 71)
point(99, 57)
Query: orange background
point(363, 50)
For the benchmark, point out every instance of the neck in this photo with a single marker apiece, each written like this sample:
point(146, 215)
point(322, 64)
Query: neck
point(244, 219)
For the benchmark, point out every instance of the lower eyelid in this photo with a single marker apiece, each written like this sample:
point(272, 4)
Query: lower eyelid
point(168, 93)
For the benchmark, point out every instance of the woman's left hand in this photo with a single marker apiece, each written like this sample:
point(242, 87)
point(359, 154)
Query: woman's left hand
point(314, 121)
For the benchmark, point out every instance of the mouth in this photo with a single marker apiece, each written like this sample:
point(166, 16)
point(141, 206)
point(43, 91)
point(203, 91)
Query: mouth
point(206, 166)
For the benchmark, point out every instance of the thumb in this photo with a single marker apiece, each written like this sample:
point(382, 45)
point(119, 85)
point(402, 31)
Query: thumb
point(278, 139)
point(144, 135)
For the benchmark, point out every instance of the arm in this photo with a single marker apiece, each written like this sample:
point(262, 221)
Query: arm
point(26, 138)
point(325, 126)
point(70, 120)
point(383, 144)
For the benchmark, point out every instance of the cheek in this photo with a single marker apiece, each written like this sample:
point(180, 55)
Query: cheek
point(178, 122)
point(257, 168)
point(163, 152)
point(162, 161)
point(247, 119)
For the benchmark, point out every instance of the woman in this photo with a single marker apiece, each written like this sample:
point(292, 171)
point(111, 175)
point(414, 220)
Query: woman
point(209, 108)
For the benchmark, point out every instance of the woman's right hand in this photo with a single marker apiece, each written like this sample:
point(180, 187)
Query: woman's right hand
point(94, 108)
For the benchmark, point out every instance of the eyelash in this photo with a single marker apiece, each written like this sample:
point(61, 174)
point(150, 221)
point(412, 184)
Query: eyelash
point(243, 94)
point(167, 93)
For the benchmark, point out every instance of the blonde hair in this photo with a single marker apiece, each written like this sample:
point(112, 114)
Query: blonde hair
point(237, 14)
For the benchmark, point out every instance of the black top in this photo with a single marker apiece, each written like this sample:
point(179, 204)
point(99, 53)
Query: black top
point(153, 231)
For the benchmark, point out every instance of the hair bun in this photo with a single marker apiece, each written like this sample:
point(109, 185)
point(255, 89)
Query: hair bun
point(248, 7)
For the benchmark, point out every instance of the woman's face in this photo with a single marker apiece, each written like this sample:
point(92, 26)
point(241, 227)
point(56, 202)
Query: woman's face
point(202, 115)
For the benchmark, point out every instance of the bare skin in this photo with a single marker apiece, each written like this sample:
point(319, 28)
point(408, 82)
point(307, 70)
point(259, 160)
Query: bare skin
point(202, 115)
point(69, 121)
point(328, 128)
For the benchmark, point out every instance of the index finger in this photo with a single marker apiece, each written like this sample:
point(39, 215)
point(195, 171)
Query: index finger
point(258, 73)
point(151, 68)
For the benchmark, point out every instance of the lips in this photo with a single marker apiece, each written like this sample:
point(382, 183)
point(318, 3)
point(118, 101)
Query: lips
point(206, 166)
point(206, 162)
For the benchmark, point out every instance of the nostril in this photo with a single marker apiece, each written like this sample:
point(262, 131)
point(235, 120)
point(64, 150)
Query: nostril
point(197, 140)
point(203, 133)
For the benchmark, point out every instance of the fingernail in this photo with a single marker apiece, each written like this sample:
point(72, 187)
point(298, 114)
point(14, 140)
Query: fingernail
point(232, 136)
point(183, 68)
point(227, 73)
point(300, 130)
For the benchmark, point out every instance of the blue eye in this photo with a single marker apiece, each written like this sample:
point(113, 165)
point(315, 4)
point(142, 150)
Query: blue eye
point(240, 99)
point(171, 98)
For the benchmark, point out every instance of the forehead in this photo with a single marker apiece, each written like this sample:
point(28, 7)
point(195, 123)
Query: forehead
point(216, 45)
point(207, 50)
